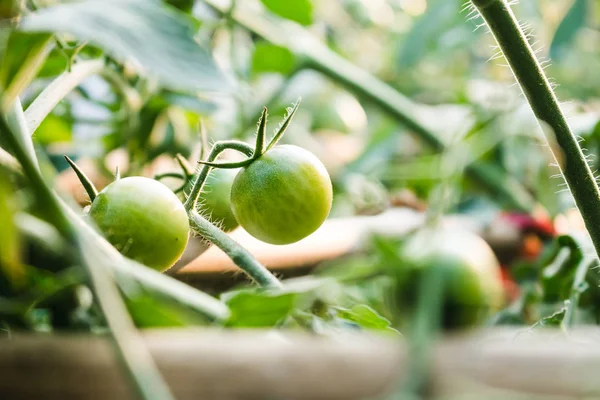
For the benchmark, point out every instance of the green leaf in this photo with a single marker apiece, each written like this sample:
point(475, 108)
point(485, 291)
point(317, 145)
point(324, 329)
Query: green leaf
point(149, 312)
point(439, 16)
point(365, 316)
point(53, 129)
point(11, 268)
point(568, 28)
point(153, 36)
point(271, 58)
point(295, 10)
point(310, 290)
point(257, 308)
point(552, 320)
point(24, 57)
point(190, 103)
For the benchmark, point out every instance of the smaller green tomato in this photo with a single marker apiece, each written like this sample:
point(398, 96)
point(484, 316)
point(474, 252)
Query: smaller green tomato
point(473, 286)
point(283, 196)
point(143, 219)
point(215, 200)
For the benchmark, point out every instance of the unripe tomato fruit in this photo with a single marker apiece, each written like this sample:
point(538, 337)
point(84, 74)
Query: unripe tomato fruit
point(473, 286)
point(215, 200)
point(283, 196)
point(143, 219)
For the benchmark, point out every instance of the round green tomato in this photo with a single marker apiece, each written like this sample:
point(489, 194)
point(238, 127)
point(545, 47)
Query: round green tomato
point(473, 284)
point(215, 200)
point(143, 219)
point(283, 196)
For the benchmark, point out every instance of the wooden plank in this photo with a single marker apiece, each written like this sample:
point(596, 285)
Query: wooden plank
point(335, 238)
point(206, 364)
point(224, 364)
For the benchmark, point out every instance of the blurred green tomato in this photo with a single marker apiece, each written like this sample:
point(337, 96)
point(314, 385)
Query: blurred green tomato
point(215, 200)
point(473, 284)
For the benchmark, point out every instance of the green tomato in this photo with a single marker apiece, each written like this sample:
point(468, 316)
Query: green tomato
point(215, 200)
point(143, 219)
point(283, 196)
point(473, 286)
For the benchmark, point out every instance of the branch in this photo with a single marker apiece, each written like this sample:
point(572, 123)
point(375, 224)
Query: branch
point(536, 87)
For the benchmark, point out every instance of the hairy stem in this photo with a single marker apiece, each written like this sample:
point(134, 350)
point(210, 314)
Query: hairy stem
point(536, 87)
point(239, 255)
point(45, 102)
point(203, 170)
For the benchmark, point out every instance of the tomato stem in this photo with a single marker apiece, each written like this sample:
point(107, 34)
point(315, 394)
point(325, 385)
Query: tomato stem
point(203, 170)
point(187, 169)
point(238, 254)
point(544, 103)
point(176, 175)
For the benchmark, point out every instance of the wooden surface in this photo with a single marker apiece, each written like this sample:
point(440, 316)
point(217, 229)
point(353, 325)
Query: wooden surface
point(335, 238)
point(212, 364)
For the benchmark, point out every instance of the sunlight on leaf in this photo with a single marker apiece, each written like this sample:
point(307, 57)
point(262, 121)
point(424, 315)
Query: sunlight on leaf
point(152, 36)
point(296, 10)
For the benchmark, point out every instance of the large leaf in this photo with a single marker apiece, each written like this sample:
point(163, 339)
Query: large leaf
point(295, 10)
point(366, 317)
point(272, 58)
point(258, 308)
point(53, 129)
point(150, 312)
point(155, 37)
point(440, 15)
point(25, 54)
point(568, 28)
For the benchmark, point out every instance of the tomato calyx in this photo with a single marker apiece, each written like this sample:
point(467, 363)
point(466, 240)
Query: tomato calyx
point(259, 145)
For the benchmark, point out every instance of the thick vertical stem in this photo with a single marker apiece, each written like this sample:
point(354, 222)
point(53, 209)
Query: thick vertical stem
point(536, 87)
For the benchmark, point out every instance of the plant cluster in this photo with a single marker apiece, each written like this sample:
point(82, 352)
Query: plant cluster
point(106, 91)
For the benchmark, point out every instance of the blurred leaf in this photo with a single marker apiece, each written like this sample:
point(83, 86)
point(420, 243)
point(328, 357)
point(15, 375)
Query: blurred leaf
point(568, 28)
point(11, 268)
point(295, 10)
point(365, 316)
point(264, 308)
point(183, 5)
point(24, 56)
point(55, 64)
point(258, 308)
point(311, 289)
point(149, 312)
point(272, 58)
point(53, 129)
point(427, 29)
point(190, 103)
point(552, 320)
point(155, 37)
point(10, 8)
